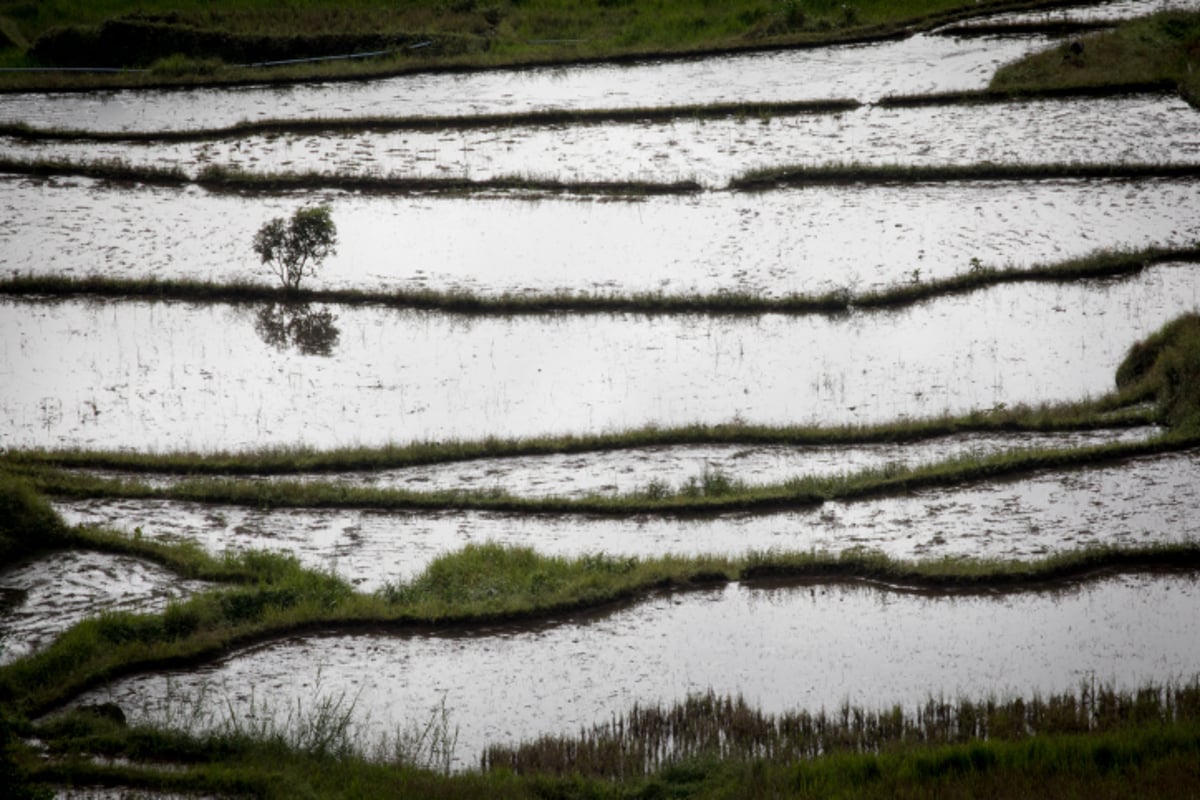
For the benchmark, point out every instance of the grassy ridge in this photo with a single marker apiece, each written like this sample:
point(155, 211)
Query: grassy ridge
point(717, 494)
point(224, 179)
point(1101, 264)
point(1146, 759)
point(1162, 48)
point(843, 174)
point(478, 585)
point(182, 41)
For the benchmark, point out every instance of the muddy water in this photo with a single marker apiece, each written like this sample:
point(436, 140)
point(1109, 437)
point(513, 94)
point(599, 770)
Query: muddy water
point(782, 648)
point(864, 72)
point(625, 471)
point(793, 240)
point(1125, 130)
point(59, 589)
point(179, 376)
point(1129, 504)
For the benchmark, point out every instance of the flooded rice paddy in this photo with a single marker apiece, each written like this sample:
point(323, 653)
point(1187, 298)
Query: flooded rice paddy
point(782, 648)
point(121, 374)
point(866, 72)
point(624, 471)
point(171, 376)
point(771, 243)
point(1098, 12)
point(1132, 503)
point(60, 588)
point(1127, 130)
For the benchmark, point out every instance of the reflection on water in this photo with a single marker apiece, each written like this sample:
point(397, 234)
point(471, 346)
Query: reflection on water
point(1121, 505)
point(58, 589)
point(791, 240)
point(187, 376)
point(866, 72)
point(1132, 129)
point(783, 648)
point(286, 325)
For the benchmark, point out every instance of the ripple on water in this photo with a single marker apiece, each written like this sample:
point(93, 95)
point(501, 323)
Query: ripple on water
point(1125, 130)
point(1134, 503)
point(781, 648)
point(63, 587)
point(775, 243)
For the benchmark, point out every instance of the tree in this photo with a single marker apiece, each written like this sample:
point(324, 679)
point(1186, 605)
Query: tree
point(294, 249)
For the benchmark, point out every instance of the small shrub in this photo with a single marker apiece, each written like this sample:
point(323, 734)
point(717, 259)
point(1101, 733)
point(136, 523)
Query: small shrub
point(293, 249)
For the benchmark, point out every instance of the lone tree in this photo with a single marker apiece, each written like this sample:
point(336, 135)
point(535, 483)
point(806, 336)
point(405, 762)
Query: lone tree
point(293, 249)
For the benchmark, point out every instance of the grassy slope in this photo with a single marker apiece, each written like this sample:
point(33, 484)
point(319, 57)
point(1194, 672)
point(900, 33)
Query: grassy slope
point(478, 32)
point(1161, 48)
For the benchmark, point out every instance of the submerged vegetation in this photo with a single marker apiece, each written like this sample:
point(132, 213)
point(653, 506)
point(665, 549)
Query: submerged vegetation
point(1096, 742)
point(977, 276)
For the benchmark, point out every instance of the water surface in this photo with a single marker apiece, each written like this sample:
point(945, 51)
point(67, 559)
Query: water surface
point(1143, 129)
point(782, 648)
point(856, 238)
point(1129, 504)
point(176, 376)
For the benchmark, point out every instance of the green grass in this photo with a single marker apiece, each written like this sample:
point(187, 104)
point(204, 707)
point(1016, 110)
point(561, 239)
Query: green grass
point(976, 277)
point(722, 494)
point(185, 41)
point(1163, 48)
point(478, 585)
point(1148, 760)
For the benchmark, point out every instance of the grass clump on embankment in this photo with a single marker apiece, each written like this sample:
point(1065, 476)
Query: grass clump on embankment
point(1163, 48)
point(1165, 368)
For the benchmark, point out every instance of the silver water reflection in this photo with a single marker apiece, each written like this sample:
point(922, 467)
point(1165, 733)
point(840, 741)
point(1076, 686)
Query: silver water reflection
point(629, 470)
point(782, 648)
point(773, 243)
point(865, 72)
point(195, 377)
point(1142, 129)
point(60, 588)
point(1095, 12)
point(1145, 500)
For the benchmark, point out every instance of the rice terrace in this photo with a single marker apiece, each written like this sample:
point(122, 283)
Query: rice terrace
point(608, 399)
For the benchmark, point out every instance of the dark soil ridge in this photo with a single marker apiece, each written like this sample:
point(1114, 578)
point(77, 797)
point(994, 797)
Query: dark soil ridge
point(1098, 266)
point(1183, 559)
point(855, 36)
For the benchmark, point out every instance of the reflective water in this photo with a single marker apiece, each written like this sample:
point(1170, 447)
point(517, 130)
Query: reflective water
point(771, 243)
point(59, 589)
point(1131, 504)
point(178, 376)
point(1096, 12)
point(865, 72)
point(1143, 129)
point(624, 471)
point(781, 648)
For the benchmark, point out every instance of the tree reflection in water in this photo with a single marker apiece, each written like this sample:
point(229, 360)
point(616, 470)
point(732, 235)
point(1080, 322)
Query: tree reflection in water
point(285, 325)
